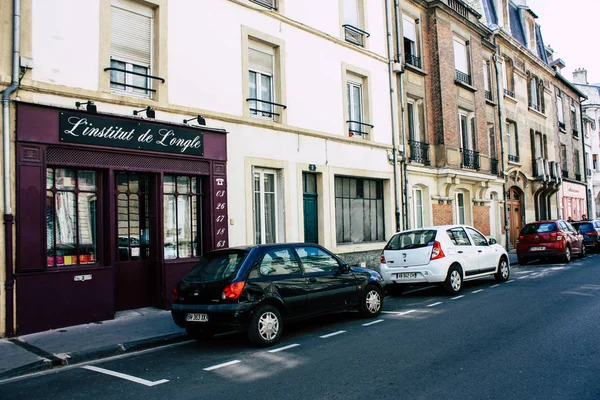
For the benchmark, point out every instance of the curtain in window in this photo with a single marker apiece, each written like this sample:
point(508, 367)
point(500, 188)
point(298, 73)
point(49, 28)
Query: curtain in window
point(460, 56)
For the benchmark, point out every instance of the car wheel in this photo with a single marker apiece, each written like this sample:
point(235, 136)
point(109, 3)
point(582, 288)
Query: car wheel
point(199, 334)
point(567, 256)
point(372, 302)
point(503, 270)
point(583, 252)
point(394, 290)
point(265, 326)
point(522, 261)
point(453, 282)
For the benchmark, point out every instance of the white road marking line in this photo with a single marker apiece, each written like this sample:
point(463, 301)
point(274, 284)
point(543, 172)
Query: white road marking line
point(457, 297)
point(283, 348)
point(222, 365)
point(578, 294)
point(512, 280)
point(523, 272)
point(390, 312)
point(496, 285)
point(125, 376)
point(406, 312)
point(477, 291)
point(332, 334)
point(373, 323)
point(434, 304)
point(523, 277)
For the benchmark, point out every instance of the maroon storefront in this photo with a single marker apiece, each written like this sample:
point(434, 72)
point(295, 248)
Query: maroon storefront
point(111, 212)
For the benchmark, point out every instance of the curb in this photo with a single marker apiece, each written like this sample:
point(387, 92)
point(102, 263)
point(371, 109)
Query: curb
point(64, 359)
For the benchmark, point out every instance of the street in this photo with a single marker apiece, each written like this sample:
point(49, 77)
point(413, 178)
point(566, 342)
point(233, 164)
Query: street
point(533, 337)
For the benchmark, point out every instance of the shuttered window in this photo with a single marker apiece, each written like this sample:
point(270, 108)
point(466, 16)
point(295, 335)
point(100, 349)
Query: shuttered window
point(130, 46)
point(261, 71)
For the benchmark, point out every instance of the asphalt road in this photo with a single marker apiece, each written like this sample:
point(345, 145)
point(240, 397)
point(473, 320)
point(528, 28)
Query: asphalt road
point(533, 337)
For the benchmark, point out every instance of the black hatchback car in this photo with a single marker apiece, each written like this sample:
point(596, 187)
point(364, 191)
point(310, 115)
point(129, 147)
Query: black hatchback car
point(591, 233)
point(258, 288)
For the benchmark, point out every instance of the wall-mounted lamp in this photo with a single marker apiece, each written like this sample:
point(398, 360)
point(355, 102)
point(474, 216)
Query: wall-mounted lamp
point(89, 106)
point(150, 113)
point(200, 119)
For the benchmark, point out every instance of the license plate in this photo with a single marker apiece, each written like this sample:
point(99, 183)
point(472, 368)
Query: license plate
point(406, 275)
point(194, 317)
point(540, 248)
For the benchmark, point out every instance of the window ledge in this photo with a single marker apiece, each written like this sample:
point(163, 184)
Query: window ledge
point(510, 98)
point(414, 69)
point(533, 110)
point(562, 130)
point(491, 102)
point(518, 163)
point(465, 85)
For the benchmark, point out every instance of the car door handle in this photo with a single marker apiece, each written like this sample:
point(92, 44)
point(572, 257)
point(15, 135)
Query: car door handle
point(479, 251)
point(312, 279)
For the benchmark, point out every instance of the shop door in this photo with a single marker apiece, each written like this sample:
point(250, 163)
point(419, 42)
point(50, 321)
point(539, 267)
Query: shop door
point(515, 216)
point(311, 226)
point(136, 265)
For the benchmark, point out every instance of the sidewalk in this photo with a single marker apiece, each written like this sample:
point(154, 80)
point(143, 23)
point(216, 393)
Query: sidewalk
point(130, 331)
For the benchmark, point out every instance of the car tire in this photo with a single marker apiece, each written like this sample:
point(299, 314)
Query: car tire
point(567, 256)
point(583, 252)
point(503, 270)
point(394, 290)
point(371, 302)
point(454, 280)
point(266, 326)
point(200, 334)
point(522, 261)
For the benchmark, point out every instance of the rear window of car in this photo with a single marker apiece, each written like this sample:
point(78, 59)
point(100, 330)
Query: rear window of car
point(217, 266)
point(411, 240)
point(585, 227)
point(539, 228)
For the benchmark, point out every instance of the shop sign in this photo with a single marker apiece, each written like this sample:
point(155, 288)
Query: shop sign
point(573, 190)
point(98, 130)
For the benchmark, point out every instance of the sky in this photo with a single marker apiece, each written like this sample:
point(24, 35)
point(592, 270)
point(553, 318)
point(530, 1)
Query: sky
point(571, 29)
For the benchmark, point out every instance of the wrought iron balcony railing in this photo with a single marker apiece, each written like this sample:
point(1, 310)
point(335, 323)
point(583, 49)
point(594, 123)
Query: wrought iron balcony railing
point(578, 177)
point(463, 77)
point(489, 96)
point(494, 166)
point(125, 71)
point(265, 109)
point(513, 158)
point(509, 93)
point(459, 7)
point(413, 60)
point(470, 159)
point(359, 128)
point(270, 4)
point(536, 107)
point(419, 152)
point(562, 126)
point(565, 173)
point(355, 35)
point(575, 133)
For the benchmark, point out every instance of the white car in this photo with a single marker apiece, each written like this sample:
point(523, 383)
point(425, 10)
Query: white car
point(446, 255)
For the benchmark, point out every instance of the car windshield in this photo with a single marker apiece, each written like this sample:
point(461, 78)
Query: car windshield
point(542, 227)
point(411, 240)
point(217, 266)
point(584, 227)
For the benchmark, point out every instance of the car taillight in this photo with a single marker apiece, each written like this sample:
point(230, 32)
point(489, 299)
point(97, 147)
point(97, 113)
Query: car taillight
point(382, 259)
point(174, 294)
point(233, 290)
point(437, 252)
point(521, 237)
point(592, 233)
point(558, 236)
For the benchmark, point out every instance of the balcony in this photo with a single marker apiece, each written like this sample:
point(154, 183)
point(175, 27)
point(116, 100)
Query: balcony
point(470, 159)
point(419, 152)
point(565, 173)
point(459, 7)
point(562, 126)
point(513, 158)
point(555, 171)
point(359, 128)
point(509, 93)
point(535, 107)
point(489, 96)
point(541, 169)
point(575, 133)
point(494, 166)
point(463, 77)
point(263, 108)
point(578, 177)
point(270, 4)
point(355, 35)
point(413, 60)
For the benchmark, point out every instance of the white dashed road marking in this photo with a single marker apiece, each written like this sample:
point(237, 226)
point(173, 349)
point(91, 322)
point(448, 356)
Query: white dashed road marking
point(434, 304)
point(125, 376)
point(512, 280)
point(332, 334)
point(283, 348)
point(457, 297)
point(477, 291)
point(407, 312)
point(222, 365)
point(373, 323)
point(496, 285)
point(523, 277)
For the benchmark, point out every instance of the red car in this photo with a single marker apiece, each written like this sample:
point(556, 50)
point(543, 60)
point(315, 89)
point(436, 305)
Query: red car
point(545, 239)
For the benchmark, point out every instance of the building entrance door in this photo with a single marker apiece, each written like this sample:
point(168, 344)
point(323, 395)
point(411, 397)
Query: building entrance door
point(311, 216)
point(515, 216)
point(137, 266)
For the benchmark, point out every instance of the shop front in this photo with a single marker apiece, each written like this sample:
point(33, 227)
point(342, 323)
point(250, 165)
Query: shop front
point(111, 212)
point(574, 204)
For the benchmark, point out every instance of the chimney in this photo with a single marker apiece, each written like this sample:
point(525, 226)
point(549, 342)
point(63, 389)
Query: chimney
point(580, 76)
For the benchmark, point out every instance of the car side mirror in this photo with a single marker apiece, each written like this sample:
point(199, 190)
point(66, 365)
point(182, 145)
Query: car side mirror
point(492, 241)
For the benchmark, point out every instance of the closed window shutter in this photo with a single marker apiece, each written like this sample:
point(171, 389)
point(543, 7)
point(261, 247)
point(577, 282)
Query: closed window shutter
point(130, 37)
point(409, 28)
point(260, 61)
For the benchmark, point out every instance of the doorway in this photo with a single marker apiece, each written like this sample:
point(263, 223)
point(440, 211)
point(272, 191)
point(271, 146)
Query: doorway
point(136, 266)
point(515, 214)
point(311, 213)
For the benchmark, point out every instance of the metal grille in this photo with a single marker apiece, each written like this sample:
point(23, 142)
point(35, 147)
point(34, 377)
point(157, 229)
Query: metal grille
point(63, 156)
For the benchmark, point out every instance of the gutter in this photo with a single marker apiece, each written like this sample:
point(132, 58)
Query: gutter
point(8, 217)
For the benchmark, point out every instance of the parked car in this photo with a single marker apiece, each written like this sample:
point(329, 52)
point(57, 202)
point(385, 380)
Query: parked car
point(259, 288)
point(544, 239)
point(591, 233)
point(446, 255)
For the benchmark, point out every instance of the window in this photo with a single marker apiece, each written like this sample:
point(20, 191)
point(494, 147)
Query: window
point(270, 4)
point(460, 208)
point(508, 77)
point(268, 206)
point(415, 122)
point(133, 216)
point(461, 61)
point(418, 207)
point(478, 238)
point(261, 69)
point(536, 94)
point(411, 51)
point(487, 80)
point(71, 208)
point(513, 141)
point(467, 131)
point(355, 108)
point(560, 112)
point(316, 260)
point(458, 236)
point(577, 165)
point(574, 119)
point(131, 47)
point(359, 210)
point(182, 204)
point(595, 162)
point(279, 262)
point(563, 159)
point(353, 22)
point(492, 140)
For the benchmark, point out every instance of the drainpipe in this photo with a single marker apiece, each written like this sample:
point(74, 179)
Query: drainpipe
point(8, 217)
point(501, 129)
point(394, 110)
